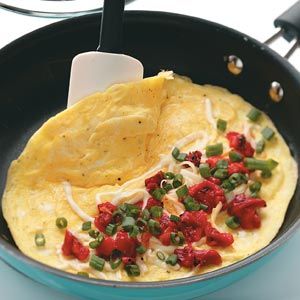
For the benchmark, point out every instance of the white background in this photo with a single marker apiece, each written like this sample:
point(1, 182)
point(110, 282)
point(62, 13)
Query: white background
point(278, 279)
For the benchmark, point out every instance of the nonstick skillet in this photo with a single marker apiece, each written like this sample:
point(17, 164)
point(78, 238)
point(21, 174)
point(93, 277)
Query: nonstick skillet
point(34, 76)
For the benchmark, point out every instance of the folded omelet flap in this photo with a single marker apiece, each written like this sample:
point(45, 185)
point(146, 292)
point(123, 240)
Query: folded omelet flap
point(100, 140)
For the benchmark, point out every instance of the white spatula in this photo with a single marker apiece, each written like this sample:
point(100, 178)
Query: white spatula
point(95, 71)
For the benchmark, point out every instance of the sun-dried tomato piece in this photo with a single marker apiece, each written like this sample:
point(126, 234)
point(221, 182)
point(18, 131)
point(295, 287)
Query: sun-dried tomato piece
point(125, 244)
point(165, 237)
point(238, 142)
point(244, 208)
point(106, 247)
point(207, 257)
point(216, 238)
point(214, 180)
point(72, 246)
point(194, 157)
point(237, 167)
point(194, 218)
point(192, 234)
point(188, 257)
point(153, 182)
point(185, 256)
point(106, 207)
point(208, 193)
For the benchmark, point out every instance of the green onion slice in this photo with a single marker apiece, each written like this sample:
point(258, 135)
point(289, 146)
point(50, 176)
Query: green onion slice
point(257, 164)
point(128, 223)
point(97, 263)
point(158, 194)
point(254, 114)
point(172, 260)
point(268, 133)
point(222, 164)
point(93, 233)
point(260, 146)
point(177, 238)
point(115, 263)
point(221, 173)
point(141, 249)
point(221, 125)
point(146, 214)
point(156, 211)
point(160, 255)
point(235, 156)
point(182, 191)
point(233, 222)
point(61, 223)
point(111, 229)
point(174, 218)
point(132, 270)
point(40, 240)
point(169, 175)
point(191, 204)
point(204, 170)
point(213, 150)
point(134, 231)
point(154, 227)
point(86, 226)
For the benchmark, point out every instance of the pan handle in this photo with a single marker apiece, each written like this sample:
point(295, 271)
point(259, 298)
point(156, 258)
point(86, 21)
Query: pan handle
point(289, 24)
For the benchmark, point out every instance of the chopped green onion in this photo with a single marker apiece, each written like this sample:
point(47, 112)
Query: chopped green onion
point(177, 238)
point(40, 240)
point(237, 178)
point(203, 206)
point(118, 216)
point(175, 152)
point(160, 255)
point(235, 156)
point(61, 223)
point(191, 204)
point(141, 249)
point(132, 210)
point(221, 173)
point(96, 243)
point(146, 214)
point(267, 133)
point(111, 229)
point(132, 270)
point(181, 157)
point(227, 185)
point(128, 223)
point(221, 125)
point(254, 114)
point(260, 146)
point(177, 155)
point(257, 164)
point(222, 164)
point(168, 187)
point(86, 226)
point(154, 227)
point(174, 218)
point(84, 274)
point(172, 260)
point(255, 188)
point(182, 191)
point(158, 193)
point(204, 170)
point(213, 150)
point(169, 175)
point(233, 222)
point(134, 231)
point(115, 263)
point(93, 233)
point(266, 174)
point(97, 263)
point(156, 211)
point(177, 181)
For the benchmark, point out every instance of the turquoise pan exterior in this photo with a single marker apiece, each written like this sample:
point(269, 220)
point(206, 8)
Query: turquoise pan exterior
point(98, 289)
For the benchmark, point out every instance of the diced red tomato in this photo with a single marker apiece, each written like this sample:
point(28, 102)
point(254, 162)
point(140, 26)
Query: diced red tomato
point(153, 182)
point(214, 180)
point(185, 256)
point(145, 237)
point(72, 246)
point(165, 237)
point(106, 207)
point(207, 257)
point(237, 167)
point(216, 238)
point(244, 208)
point(212, 161)
point(106, 247)
point(208, 193)
point(238, 142)
point(125, 244)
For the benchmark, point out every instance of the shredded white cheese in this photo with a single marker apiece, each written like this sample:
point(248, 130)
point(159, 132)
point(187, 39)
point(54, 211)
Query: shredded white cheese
point(190, 164)
point(190, 178)
point(214, 214)
point(209, 113)
point(73, 204)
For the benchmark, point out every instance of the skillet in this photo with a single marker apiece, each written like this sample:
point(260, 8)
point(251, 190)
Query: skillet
point(39, 64)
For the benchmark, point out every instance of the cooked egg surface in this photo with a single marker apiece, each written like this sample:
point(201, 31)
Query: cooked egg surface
point(80, 155)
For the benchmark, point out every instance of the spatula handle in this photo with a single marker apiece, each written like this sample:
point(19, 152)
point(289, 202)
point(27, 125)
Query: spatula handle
point(111, 26)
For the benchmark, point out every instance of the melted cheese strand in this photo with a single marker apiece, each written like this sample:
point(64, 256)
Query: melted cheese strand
point(190, 164)
point(73, 204)
point(209, 113)
point(214, 214)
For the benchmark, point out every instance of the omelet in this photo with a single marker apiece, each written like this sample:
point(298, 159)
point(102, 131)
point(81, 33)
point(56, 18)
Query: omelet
point(104, 148)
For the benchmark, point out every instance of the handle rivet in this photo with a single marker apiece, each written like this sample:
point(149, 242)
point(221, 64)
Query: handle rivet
point(234, 64)
point(276, 91)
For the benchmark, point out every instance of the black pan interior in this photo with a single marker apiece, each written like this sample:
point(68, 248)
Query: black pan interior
point(34, 75)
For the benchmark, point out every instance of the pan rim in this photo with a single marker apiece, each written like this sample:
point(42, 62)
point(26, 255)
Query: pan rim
point(41, 33)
